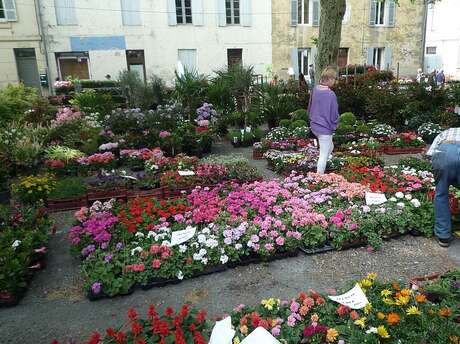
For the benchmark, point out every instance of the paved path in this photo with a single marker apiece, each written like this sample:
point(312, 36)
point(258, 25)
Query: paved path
point(55, 306)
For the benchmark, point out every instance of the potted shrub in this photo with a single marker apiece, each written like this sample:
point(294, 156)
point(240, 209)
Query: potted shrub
point(69, 194)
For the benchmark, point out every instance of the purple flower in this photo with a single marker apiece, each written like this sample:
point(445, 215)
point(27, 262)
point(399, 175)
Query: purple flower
point(88, 250)
point(96, 287)
point(108, 258)
point(254, 238)
point(104, 245)
point(276, 331)
point(119, 246)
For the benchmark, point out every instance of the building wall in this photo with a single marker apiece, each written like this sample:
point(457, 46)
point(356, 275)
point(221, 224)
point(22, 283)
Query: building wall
point(158, 39)
point(405, 38)
point(22, 33)
point(443, 32)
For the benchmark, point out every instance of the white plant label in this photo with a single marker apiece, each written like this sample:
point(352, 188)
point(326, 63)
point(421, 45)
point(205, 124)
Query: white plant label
point(186, 173)
point(373, 198)
point(179, 237)
point(260, 336)
point(355, 298)
point(222, 333)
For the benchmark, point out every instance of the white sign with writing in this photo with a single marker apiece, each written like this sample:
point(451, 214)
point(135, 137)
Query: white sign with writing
point(179, 237)
point(259, 336)
point(355, 298)
point(373, 198)
point(222, 333)
point(186, 173)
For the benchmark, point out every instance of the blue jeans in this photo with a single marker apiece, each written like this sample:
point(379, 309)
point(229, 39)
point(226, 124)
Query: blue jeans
point(446, 168)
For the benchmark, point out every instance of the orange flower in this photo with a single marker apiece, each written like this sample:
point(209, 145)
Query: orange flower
point(445, 312)
point(380, 315)
point(406, 292)
point(396, 286)
point(431, 312)
point(304, 310)
point(354, 315)
point(393, 318)
point(420, 298)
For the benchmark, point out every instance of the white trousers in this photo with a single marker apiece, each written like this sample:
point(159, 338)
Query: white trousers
point(326, 147)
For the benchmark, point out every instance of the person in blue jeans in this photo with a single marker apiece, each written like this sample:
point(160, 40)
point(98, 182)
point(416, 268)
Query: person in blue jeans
point(445, 153)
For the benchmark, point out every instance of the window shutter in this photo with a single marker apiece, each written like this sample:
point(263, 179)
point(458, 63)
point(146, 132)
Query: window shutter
point(131, 14)
point(197, 12)
point(295, 62)
point(246, 12)
point(10, 10)
point(294, 12)
point(314, 53)
point(391, 12)
point(372, 12)
point(65, 12)
point(221, 17)
point(172, 20)
point(316, 12)
point(370, 56)
point(388, 57)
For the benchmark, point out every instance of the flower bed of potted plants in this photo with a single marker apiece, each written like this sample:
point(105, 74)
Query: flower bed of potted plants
point(394, 314)
point(404, 143)
point(232, 223)
point(23, 238)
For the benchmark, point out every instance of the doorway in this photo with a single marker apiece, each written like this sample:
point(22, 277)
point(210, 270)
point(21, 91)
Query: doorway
point(136, 62)
point(234, 57)
point(26, 63)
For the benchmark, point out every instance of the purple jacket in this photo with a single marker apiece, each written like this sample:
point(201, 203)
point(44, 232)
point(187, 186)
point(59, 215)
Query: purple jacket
point(324, 112)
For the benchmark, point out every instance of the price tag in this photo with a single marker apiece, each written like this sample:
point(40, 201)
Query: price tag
point(260, 335)
point(179, 237)
point(186, 173)
point(222, 333)
point(355, 298)
point(375, 198)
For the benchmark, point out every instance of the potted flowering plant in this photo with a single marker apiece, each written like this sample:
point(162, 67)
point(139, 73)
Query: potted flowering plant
point(404, 143)
point(33, 189)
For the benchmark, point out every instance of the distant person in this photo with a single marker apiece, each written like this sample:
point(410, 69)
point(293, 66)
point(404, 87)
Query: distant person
point(324, 116)
point(311, 73)
point(433, 76)
point(302, 82)
point(420, 76)
point(445, 153)
point(274, 80)
point(440, 79)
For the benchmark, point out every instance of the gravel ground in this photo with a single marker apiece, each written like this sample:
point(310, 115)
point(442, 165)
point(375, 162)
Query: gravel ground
point(55, 306)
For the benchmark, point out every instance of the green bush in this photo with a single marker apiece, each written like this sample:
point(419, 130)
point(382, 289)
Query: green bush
point(15, 101)
point(363, 128)
point(90, 101)
point(347, 118)
point(298, 123)
point(69, 187)
point(300, 114)
point(286, 123)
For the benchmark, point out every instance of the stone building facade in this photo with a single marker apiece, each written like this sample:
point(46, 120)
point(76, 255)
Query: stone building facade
point(378, 33)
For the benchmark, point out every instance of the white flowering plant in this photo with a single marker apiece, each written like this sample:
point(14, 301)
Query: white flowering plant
point(428, 131)
point(383, 130)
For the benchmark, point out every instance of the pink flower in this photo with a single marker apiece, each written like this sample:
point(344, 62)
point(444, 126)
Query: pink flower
point(353, 226)
point(156, 263)
point(294, 307)
point(280, 241)
point(164, 134)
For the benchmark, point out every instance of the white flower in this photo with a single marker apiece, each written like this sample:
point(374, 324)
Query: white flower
point(238, 247)
point(400, 205)
point(204, 261)
point(202, 252)
point(393, 199)
point(201, 238)
point(415, 202)
point(211, 243)
point(195, 245)
point(16, 243)
point(136, 249)
point(399, 194)
point(151, 234)
point(139, 235)
point(371, 330)
point(196, 256)
point(206, 231)
point(182, 248)
point(180, 275)
point(408, 197)
point(224, 259)
point(166, 243)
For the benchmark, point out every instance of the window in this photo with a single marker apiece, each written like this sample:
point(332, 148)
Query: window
point(431, 50)
point(380, 13)
point(130, 12)
point(377, 59)
point(343, 57)
point(2, 11)
point(65, 12)
point(232, 11)
point(136, 62)
point(184, 11)
point(234, 57)
point(8, 10)
point(74, 65)
point(304, 12)
point(188, 59)
point(305, 60)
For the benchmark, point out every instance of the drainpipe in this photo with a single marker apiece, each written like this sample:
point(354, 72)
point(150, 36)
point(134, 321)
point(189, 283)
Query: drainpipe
point(424, 28)
point(38, 14)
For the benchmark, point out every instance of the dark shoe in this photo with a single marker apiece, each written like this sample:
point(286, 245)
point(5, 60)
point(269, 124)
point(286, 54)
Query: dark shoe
point(444, 242)
point(415, 232)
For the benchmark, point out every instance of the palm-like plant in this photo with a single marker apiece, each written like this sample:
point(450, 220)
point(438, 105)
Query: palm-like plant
point(190, 90)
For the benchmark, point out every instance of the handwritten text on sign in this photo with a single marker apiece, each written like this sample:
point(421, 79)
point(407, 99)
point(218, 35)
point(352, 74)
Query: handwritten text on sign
point(179, 237)
point(375, 198)
point(355, 298)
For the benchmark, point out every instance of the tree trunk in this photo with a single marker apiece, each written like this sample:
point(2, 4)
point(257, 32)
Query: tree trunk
point(330, 30)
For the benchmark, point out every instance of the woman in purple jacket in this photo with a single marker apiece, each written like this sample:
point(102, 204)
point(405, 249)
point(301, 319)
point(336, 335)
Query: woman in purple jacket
point(324, 116)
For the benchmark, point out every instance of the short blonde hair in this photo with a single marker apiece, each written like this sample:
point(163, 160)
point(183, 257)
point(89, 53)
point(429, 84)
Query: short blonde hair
point(328, 74)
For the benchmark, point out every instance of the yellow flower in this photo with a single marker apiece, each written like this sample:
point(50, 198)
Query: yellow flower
point(388, 301)
point(372, 276)
point(380, 315)
point(236, 340)
point(402, 300)
point(331, 335)
point(413, 311)
point(366, 283)
point(406, 292)
point(382, 332)
point(385, 293)
point(268, 304)
point(361, 322)
point(368, 308)
point(420, 298)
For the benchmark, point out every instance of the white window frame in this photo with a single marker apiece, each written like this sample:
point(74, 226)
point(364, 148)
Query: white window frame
point(4, 19)
point(183, 8)
point(309, 60)
point(378, 54)
point(232, 12)
point(379, 7)
point(301, 14)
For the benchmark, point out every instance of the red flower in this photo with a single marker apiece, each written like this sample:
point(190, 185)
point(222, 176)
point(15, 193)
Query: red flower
point(120, 337)
point(95, 339)
point(141, 341)
point(184, 311)
point(201, 316)
point(169, 311)
point(156, 263)
point(136, 328)
point(132, 314)
point(110, 332)
point(160, 327)
point(152, 312)
point(54, 341)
